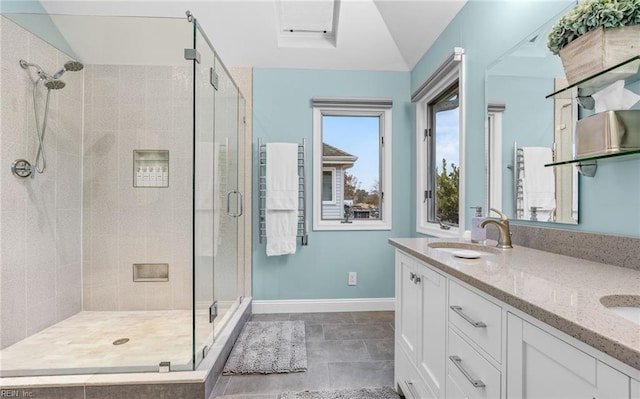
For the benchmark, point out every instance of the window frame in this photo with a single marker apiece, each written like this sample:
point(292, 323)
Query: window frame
point(334, 186)
point(381, 108)
point(442, 80)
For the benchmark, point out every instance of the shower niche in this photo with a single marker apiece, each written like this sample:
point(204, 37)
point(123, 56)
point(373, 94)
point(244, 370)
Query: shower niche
point(151, 168)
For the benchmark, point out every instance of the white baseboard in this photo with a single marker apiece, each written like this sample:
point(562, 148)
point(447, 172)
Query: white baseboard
point(323, 305)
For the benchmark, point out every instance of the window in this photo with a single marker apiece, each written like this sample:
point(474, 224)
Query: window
point(352, 173)
point(328, 186)
point(440, 150)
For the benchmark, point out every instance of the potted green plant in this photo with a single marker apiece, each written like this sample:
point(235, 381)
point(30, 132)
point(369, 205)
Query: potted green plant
point(595, 35)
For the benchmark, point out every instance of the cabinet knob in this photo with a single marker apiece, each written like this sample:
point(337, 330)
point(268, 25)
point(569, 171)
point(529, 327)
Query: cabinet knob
point(417, 279)
point(412, 276)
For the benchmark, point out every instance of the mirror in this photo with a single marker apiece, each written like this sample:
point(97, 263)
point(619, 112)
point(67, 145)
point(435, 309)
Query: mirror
point(525, 131)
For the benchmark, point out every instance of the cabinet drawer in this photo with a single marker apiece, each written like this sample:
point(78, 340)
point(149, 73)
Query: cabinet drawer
point(471, 372)
point(408, 379)
point(477, 318)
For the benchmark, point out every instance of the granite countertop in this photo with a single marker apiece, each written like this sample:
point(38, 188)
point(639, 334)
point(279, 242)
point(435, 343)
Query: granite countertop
point(558, 290)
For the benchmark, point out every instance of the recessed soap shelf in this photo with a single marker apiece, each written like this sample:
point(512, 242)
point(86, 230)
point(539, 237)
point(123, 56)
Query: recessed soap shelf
point(150, 168)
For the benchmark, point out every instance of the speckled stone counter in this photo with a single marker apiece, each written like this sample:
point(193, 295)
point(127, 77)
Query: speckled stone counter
point(558, 290)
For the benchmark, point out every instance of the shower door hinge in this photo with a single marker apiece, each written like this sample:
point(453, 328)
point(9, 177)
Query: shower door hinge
point(191, 54)
point(213, 311)
point(213, 78)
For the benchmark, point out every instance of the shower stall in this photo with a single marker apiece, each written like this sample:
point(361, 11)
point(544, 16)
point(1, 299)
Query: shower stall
point(121, 244)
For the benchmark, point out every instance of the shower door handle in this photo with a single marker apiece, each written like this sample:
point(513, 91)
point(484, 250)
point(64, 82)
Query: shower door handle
point(241, 203)
point(234, 215)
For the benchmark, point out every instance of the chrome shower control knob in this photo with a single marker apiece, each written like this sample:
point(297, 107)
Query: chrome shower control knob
point(21, 168)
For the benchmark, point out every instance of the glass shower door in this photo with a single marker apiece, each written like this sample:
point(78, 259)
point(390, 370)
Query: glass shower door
point(206, 196)
point(229, 204)
point(217, 201)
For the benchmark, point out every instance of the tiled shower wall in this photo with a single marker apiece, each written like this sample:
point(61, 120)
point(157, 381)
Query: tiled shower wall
point(127, 108)
point(40, 218)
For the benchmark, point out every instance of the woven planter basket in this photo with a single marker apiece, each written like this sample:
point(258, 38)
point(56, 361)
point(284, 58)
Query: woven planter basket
point(598, 50)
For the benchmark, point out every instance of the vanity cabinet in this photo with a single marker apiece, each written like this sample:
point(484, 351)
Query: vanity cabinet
point(420, 328)
point(454, 341)
point(540, 365)
point(635, 389)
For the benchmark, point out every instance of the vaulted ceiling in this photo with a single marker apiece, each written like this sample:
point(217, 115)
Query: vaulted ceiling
point(382, 35)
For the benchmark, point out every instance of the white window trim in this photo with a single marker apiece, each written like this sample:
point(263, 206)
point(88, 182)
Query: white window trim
point(334, 186)
point(493, 156)
point(352, 107)
point(447, 74)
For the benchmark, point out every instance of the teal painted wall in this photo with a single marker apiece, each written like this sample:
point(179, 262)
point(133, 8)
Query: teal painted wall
point(282, 112)
point(609, 203)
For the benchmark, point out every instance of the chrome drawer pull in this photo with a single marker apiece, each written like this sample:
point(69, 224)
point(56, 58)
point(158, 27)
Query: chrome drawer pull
point(412, 276)
point(474, 323)
point(458, 362)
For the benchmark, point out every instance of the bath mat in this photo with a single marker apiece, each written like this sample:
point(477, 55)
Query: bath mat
point(267, 347)
point(360, 393)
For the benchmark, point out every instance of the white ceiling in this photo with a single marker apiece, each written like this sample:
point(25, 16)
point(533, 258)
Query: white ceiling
point(381, 35)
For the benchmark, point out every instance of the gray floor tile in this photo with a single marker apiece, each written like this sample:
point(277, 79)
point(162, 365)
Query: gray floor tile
point(313, 332)
point(316, 377)
point(336, 351)
point(361, 374)
point(270, 317)
point(374, 317)
point(248, 396)
point(380, 349)
point(320, 318)
point(357, 331)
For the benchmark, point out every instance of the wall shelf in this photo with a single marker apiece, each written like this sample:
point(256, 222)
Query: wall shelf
point(628, 70)
point(588, 165)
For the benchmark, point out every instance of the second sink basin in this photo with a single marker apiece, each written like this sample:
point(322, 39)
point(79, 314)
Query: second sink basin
point(627, 306)
point(464, 249)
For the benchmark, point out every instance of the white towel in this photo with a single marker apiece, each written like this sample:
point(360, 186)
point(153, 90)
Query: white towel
point(281, 198)
point(539, 182)
point(282, 176)
point(282, 229)
point(614, 97)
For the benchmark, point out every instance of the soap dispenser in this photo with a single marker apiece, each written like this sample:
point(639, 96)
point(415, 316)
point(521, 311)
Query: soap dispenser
point(478, 234)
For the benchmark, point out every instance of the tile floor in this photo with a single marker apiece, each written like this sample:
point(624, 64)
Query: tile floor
point(344, 350)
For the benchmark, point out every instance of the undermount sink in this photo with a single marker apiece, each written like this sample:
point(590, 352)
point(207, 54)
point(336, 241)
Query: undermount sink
point(627, 306)
point(464, 249)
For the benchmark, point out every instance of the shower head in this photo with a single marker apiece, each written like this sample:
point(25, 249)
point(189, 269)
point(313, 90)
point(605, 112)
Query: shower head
point(73, 66)
point(69, 66)
point(54, 84)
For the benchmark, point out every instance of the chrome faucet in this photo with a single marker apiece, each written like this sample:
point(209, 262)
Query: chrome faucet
point(504, 241)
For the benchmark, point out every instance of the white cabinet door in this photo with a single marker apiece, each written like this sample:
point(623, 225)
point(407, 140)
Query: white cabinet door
point(635, 389)
point(408, 306)
point(540, 365)
point(431, 357)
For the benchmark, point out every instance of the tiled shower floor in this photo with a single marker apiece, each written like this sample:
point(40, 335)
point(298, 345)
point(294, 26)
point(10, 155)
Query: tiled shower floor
point(84, 343)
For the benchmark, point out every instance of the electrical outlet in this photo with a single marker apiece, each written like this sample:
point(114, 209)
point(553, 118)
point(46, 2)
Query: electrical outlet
point(353, 278)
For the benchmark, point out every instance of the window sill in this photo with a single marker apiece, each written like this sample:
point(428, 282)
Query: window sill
point(327, 225)
point(436, 231)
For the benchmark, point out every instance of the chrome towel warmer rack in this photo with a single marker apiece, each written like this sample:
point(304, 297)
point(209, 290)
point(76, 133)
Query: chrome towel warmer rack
point(302, 189)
